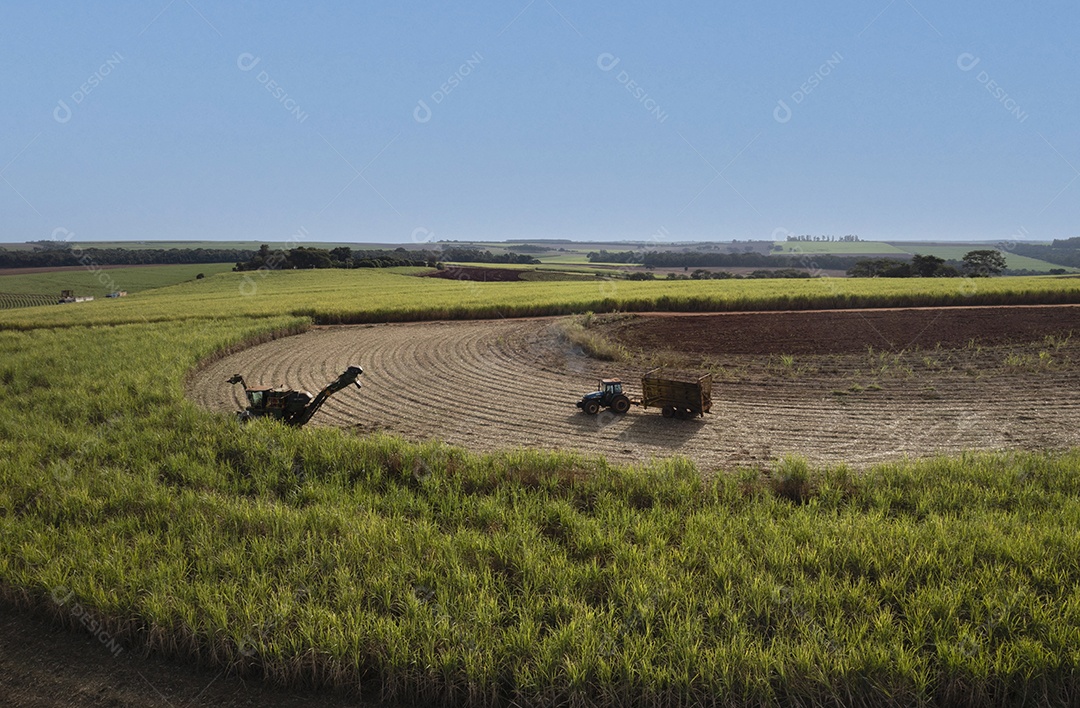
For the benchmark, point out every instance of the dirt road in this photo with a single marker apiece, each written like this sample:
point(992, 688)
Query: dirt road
point(499, 384)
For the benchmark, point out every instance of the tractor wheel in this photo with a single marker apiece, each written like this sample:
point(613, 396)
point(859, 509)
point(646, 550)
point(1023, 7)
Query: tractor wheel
point(621, 404)
point(668, 411)
point(244, 416)
point(592, 407)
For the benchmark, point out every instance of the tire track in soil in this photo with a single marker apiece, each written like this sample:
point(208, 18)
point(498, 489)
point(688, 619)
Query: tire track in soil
point(489, 385)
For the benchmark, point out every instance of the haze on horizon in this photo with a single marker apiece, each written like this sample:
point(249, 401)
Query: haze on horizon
point(542, 119)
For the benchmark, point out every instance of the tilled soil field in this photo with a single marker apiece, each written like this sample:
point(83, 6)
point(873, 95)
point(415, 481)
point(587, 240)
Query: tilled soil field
point(883, 390)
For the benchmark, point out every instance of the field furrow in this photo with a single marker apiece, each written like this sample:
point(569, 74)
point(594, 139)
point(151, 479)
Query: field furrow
point(512, 383)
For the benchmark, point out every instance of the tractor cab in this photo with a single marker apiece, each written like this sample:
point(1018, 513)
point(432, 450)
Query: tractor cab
point(610, 387)
point(271, 401)
point(609, 395)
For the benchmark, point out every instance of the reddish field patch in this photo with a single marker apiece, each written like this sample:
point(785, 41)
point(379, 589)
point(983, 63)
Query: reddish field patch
point(846, 331)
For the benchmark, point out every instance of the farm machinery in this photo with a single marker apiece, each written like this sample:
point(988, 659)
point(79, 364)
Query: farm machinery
point(676, 397)
point(294, 408)
point(609, 395)
point(68, 296)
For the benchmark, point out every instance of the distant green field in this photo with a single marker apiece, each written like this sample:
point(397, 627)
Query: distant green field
point(839, 247)
point(954, 252)
point(100, 283)
point(948, 251)
point(566, 258)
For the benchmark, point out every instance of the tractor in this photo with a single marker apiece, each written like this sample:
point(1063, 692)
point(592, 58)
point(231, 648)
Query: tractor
point(677, 395)
point(610, 395)
point(294, 408)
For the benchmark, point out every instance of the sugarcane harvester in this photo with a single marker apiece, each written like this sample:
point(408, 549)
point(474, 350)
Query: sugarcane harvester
point(293, 408)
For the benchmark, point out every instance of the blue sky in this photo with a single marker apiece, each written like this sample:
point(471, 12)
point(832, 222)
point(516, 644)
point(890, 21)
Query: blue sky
point(405, 122)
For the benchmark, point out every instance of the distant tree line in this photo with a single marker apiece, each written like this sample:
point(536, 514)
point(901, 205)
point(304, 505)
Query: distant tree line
point(850, 238)
point(725, 275)
point(979, 263)
point(701, 274)
point(68, 255)
point(604, 256)
point(303, 258)
point(59, 254)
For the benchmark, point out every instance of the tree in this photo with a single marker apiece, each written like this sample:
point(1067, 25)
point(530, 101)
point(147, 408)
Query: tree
point(880, 268)
point(984, 263)
point(341, 255)
point(926, 266)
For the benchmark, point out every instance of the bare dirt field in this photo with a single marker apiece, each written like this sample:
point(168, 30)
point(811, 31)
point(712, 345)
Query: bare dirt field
point(854, 387)
point(848, 331)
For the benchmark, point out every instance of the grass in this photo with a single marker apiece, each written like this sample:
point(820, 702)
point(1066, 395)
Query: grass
point(580, 332)
point(580, 258)
point(367, 295)
point(425, 573)
point(99, 283)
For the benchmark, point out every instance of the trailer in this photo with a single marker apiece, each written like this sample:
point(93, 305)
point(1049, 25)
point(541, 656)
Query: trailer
point(677, 396)
point(68, 296)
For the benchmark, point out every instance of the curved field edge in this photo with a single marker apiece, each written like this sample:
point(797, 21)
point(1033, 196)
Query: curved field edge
point(423, 572)
point(364, 296)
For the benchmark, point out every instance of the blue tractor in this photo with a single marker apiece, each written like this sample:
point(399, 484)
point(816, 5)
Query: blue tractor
point(609, 396)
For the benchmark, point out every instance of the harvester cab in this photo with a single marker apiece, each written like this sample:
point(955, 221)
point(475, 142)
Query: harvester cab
point(608, 395)
point(291, 407)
